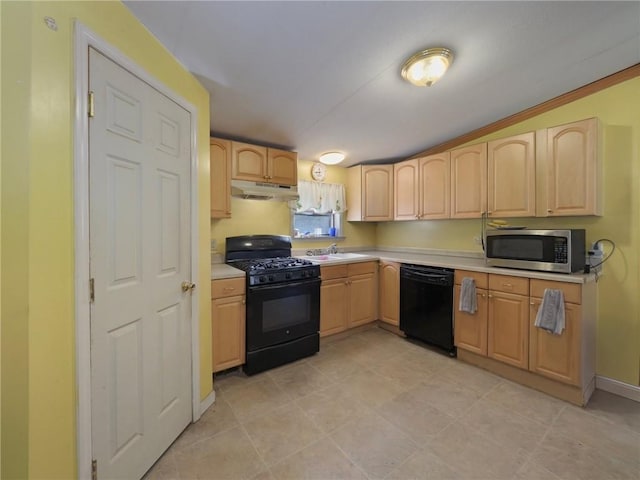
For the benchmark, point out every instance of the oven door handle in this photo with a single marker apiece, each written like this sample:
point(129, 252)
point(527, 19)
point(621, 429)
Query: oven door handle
point(284, 285)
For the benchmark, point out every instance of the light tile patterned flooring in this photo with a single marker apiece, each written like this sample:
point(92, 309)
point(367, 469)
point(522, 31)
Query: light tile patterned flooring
point(373, 405)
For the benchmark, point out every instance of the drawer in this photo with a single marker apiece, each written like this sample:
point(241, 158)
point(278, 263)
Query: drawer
point(508, 284)
point(227, 287)
point(329, 272)
point(479, 277)
point(572, 291)
point(362, 268)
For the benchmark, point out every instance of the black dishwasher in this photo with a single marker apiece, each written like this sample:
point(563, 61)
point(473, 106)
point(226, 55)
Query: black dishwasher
point(426, 305)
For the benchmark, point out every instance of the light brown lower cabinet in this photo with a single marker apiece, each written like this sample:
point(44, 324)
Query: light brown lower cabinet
point(348, 296)
point(556, 356)
point(503, 331)
point(389, 295)
point(227, 323)
point(334, 307)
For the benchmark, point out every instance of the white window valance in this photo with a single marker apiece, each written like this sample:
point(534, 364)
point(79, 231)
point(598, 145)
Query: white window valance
point(319, 198)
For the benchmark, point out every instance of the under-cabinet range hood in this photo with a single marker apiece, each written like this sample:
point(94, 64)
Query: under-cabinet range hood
point(263, 191)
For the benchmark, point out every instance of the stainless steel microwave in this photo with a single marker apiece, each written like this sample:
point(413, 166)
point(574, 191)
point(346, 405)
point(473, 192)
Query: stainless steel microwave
point(561, 251)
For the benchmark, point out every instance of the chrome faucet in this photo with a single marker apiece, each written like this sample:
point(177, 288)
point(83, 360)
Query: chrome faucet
point(333, 249)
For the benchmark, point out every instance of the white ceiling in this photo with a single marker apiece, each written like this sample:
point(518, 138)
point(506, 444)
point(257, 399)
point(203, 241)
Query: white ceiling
point(316, 76)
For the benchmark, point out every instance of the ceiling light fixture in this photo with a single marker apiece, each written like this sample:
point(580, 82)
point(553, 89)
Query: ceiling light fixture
point(427, 66)
point(332, 158)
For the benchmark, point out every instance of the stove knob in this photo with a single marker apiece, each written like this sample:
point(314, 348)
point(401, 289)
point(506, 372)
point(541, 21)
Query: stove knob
point(287, 275)
point(261, 279)
point(271, 278)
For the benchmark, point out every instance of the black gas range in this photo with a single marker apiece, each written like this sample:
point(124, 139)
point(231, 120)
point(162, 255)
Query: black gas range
point(283, 300)
point(276, 270)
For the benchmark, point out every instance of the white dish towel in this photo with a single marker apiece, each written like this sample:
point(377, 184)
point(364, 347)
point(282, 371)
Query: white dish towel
point(550, 315)
point(468, 302)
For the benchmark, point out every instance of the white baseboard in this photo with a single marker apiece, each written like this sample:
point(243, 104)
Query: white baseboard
point(616, 387)
point(207, 402)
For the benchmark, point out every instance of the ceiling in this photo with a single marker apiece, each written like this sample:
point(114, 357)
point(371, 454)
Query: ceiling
point(315, 76)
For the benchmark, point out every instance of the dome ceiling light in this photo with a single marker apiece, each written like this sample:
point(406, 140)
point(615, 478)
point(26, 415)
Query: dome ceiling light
point(426, 67)
point(332, 158)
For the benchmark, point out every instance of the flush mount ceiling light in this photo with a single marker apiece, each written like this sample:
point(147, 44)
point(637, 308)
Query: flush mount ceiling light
point(332, 158)
point(427, 66)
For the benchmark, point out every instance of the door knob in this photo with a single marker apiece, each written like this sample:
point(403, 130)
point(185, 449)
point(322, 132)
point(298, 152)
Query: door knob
point(186, 286)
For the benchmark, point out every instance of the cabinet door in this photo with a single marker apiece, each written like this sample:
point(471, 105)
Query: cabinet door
point(511, 176)
point(249, 162)
point(470, 330)
point(573, 169)
point(377, 185)
point(228, 332)
point(469, 181)
point(405, 188)
point(556, 356)
point(220, 171)
point(282, 167)
point(362, 299)
point(435, 186)
point(508, 328)
point(390, 292)
point(333, 306)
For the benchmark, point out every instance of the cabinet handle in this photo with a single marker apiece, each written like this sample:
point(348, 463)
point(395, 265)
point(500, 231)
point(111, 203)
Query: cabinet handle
point(490, 296)
point(549, 210)
point(483, 295)
point(228, 289)
point(244, 301)
point(507, 285)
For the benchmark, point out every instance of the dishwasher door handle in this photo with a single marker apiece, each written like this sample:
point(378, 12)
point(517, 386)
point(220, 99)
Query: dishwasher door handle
point(437, 278)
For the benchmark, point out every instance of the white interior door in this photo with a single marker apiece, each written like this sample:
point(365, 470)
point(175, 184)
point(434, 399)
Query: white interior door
point(139, 169)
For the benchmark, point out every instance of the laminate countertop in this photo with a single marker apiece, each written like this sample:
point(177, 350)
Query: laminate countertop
point(220, 271)
point(456, 262)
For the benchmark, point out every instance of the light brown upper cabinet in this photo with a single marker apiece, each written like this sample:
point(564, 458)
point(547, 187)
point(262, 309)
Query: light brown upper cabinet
point(435, 186)
point(370, 193)
point(282, 167)
point(422, 188)
point(511, 182)
point(469, 181)
point(220, 172)
point(570, 169)
point(261, 164)
point(406, 188)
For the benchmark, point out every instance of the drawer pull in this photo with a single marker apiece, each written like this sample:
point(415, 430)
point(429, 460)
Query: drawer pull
point(228, 289)
point(507, 285)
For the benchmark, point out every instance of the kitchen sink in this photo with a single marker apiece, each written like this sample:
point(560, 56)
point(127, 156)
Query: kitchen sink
point(332, 256)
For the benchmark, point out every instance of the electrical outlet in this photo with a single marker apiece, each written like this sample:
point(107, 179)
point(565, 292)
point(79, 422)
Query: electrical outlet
point(596, 246)
point(214, 245)
point(477, 240)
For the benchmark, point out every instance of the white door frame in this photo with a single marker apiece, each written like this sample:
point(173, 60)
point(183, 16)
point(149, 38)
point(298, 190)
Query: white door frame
point(83, 39)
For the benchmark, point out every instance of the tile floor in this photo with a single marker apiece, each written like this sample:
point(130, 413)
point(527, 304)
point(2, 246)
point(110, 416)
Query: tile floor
point(373, 405)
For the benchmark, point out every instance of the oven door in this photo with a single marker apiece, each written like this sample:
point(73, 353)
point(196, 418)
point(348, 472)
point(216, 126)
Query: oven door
point(283, 312)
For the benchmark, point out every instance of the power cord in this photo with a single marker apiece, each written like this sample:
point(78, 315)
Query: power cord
point(604, 259)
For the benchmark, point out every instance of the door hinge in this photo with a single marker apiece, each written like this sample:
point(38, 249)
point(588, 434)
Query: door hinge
point(94, 470)
point(91, 105)
point(92, 290)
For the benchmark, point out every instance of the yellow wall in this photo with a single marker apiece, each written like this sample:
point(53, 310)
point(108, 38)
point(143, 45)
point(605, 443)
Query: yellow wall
point(271, 217)
point(38, 325)
point(618, 337)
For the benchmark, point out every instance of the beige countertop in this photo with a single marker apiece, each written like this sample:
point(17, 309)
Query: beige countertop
point(456, 261)
point(463, 261)
point(222, 270)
